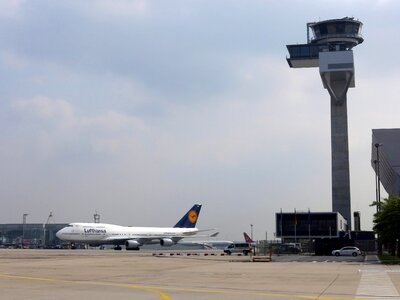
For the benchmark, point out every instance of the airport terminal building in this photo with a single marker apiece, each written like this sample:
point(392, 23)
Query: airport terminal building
point(385, 158)
point(309, 225)
point(321, 232)
point(35, 235)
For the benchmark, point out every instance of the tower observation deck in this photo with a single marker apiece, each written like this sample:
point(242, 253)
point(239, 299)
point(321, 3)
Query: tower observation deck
point(330, 48)
point(330, 35)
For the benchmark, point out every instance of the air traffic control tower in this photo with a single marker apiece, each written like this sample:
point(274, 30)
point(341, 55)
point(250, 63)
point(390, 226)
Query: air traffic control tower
point(329, 48)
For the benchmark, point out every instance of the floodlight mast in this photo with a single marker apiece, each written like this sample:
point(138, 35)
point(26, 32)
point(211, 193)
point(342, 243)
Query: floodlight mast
point(330, 49)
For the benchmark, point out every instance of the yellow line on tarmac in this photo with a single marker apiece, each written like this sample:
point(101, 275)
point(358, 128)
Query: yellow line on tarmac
point(164, 296)
point(262, 294)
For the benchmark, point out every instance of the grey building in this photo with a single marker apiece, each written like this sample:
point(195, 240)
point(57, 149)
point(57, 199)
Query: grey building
point(29, 235)
point(309, 225)
point(385, 158)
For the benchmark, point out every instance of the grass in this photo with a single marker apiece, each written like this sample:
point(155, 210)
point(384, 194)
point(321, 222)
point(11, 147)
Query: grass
point(389, 259)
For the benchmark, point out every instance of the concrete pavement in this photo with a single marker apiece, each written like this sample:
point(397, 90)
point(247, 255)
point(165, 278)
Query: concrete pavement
point(105, 274)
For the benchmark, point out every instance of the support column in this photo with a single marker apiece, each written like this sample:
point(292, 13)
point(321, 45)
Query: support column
point(340, 155)
point(337, 73)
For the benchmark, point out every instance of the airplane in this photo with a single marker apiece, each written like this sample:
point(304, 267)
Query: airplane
point(216, 244)
point(96, 234)
point(249, 239)
point(206, 244)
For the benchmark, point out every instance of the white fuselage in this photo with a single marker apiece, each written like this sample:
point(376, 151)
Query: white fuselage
point(100, 233)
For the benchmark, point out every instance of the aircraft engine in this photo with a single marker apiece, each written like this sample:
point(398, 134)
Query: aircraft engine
point(132, 245)
point(167, 242)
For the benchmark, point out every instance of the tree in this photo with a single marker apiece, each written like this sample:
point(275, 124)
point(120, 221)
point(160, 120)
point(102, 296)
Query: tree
point(387, 223)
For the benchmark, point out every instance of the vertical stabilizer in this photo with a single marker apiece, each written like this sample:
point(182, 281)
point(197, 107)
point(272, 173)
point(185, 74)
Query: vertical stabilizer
point(247, 238)
point(190, 218)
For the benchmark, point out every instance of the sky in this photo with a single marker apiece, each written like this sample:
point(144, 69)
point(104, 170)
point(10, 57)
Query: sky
point(139, 109)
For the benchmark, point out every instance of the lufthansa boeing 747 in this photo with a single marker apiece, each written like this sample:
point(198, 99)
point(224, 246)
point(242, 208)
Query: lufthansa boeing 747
point(96, 234)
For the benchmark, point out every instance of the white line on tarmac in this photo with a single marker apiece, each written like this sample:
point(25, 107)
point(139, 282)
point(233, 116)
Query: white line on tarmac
point(376, 284)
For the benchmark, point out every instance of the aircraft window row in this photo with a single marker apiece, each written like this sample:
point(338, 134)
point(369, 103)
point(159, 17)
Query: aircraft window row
point(93, 227)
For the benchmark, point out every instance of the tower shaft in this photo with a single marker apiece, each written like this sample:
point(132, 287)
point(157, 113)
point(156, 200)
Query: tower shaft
point(337, 74)
point(340, 159)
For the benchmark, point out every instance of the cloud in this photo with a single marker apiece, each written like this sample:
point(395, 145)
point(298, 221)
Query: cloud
point(118, 9)
point(12, 60)
point(45, 108)
point(139, 104)
point(10, 9)
point(112, 122)
point(229, 129)
point(109, 133)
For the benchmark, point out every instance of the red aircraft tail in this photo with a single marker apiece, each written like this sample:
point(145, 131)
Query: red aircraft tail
point(247, 238)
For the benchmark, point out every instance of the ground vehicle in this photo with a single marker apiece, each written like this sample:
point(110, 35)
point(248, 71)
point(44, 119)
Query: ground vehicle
point(348, 250)
point(289, 248)
point(244, 248)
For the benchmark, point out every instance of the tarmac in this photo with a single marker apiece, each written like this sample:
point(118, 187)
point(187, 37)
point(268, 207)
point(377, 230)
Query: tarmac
point(108, 274)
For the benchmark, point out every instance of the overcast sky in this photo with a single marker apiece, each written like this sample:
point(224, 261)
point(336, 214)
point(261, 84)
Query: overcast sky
point(139, 109)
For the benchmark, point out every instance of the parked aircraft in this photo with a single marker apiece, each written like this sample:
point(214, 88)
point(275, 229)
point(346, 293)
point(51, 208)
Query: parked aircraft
point(217, 244)
point(249, 240)
point(207, 244)
point(97, 234)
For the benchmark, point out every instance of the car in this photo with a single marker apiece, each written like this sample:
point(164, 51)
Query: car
point(289, 248)
point(348, 250)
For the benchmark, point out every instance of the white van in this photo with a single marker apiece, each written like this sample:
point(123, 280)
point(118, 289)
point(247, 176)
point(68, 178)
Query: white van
point(244, 248)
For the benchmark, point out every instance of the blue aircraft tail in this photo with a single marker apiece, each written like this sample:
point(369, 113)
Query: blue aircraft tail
point(190, 218)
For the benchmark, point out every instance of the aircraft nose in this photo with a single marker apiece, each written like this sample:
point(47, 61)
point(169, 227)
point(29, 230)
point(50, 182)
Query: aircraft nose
point(58, 234)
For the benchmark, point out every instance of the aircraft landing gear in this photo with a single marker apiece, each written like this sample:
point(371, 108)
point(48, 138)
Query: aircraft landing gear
point(118, 248)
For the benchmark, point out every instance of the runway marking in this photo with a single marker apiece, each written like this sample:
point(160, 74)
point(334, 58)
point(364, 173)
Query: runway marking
point(375, 283)
point(262, 294)
point(164, 296)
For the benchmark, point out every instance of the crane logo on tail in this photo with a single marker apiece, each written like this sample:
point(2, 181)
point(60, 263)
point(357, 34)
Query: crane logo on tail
point(189, 219)
point(192, 215)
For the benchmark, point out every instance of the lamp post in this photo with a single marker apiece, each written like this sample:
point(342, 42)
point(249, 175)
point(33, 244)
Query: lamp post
point(376, 184)
point(44, 236)
point(378, 189)
point(23, 228)
point(377, 145)
point(251, 231)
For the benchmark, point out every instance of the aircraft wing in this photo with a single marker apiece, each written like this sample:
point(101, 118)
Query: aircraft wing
point(209, 229)
point(141, 240)
point(115, 240)
point(201, 236)
point(154, 238)
point(204, 244)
